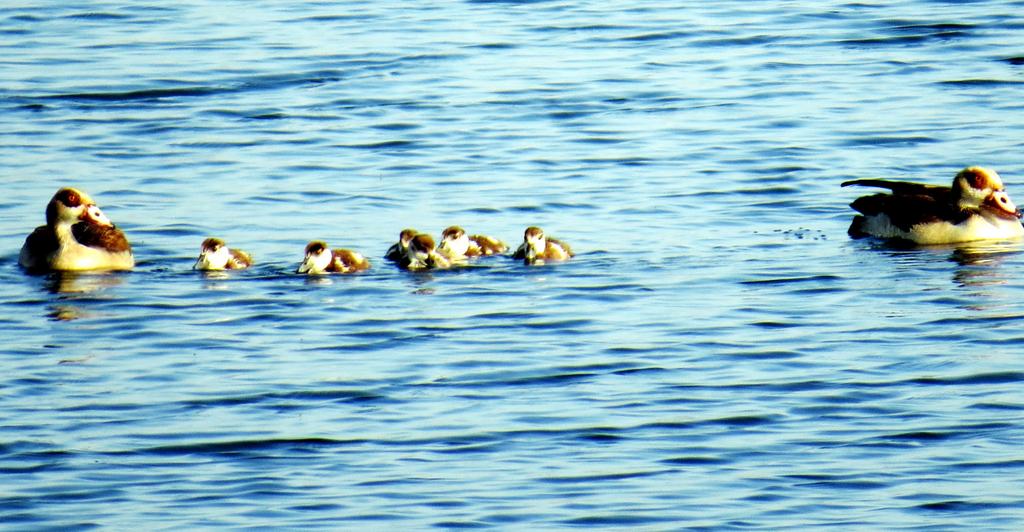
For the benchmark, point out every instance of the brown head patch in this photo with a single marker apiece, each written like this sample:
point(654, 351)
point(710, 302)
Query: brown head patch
point(211, 244)
point(422, 243)
point(406, 235)
point(315, 247)
point(452, 232)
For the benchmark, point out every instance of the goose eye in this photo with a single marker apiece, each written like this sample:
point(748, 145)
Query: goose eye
point(71, 198)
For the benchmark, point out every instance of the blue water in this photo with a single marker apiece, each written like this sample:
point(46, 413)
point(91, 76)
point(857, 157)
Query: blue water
point(719, 355)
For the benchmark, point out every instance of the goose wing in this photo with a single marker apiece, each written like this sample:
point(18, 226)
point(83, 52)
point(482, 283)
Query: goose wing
point(106, 237)
point(902, 187)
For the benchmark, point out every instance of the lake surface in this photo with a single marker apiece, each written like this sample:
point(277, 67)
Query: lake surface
point(719, 355)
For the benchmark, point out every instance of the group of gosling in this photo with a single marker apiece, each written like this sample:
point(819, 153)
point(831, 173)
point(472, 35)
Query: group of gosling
point(78, 236)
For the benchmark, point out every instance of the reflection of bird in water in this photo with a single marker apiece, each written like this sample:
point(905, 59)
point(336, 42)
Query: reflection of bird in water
point(980, 265)
point(81, 283)
point(71, 284)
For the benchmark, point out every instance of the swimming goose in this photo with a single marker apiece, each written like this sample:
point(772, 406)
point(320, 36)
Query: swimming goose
point(77, 237)
point(397, 251)
point(458, 245)
point(536, 248)
point(975, 207)
point(320, 259)
point(422, 255)
point(214, 254)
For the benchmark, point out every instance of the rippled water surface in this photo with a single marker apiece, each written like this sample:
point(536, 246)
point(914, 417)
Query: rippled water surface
point(718, 355)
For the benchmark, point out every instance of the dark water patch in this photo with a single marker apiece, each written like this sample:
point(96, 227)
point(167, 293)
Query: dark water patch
point(600, 437)
point(137, 95)
point(186, 90)
point(767, 354)
point(26, 18)
point(729, 421)
point(252, 446)
point(586, 28)
point(495, 46)
point(628, 161)
point(29, 468)
point(600, 140)
point(605, 477)
point(348, 17)
point(268, 116)
point(846, 484)
point(998, 406)
point(919, 436)
point(750, 40)
point(968, 321)
point(961, 506)
point(888, 140)
point(917, 35)
point(386, 145)
point(694, 460)
point(172, 230)
point(982, 83)
point(218, 145)
point(638, 370)
point(570, 326)
point(344, 396)
point(96, 15)
point(554, 375)
point(1004, 377)
point(657, 36)
point(107, 407)
point(911, 26)
point(1001, 465)
point(615, 520)
point(460, 524)
point(505, 317)
point(792, 280)
point(396, 126)
point(381, 334)
point(569, 115)
point(547, 379)
point(324, 507)
point(510, 2)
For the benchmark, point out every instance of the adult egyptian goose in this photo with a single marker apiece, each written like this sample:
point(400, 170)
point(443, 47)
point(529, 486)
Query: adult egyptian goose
point(77, 237)
point(975, 207)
